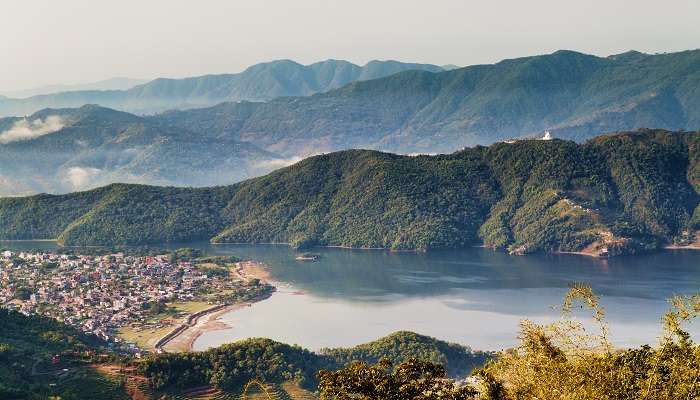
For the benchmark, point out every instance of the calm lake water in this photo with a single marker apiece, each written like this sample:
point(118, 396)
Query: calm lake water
point(474, 296)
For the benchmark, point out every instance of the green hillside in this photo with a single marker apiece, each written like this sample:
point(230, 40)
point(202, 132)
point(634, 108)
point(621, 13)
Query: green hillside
point(398, 347)
point(28, 369)
point(621, 193)
point(230, 366)
point(40, 357)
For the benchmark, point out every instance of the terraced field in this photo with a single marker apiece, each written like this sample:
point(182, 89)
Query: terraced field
point(137, 388)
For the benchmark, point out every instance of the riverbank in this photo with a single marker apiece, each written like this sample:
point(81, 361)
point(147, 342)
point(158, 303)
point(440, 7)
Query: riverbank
point(183, 336)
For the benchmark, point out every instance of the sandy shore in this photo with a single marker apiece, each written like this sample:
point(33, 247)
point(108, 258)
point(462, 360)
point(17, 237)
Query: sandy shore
point(209, 322)
point(184, 339)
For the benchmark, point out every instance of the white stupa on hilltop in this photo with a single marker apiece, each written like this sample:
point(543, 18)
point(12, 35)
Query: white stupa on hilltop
point(547, 136)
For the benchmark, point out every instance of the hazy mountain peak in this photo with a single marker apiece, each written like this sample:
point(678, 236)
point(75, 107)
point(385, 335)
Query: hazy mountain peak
point(260, 82)
point(116, 83)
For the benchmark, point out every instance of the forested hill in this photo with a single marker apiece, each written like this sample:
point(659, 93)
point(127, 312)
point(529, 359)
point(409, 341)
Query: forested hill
point(236, 363)
point(624, 192)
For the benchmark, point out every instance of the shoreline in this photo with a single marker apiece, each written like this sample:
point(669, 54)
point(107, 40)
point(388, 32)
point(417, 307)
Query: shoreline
point(580, 253)
point(693, 246)
point(28, 240)
point(183, 337)
point(677, 247)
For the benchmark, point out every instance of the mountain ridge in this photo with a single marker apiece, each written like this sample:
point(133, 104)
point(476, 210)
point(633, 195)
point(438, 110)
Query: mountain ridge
point(260, 82)
point(116, 83)
point(620, 193)
point(572, 95)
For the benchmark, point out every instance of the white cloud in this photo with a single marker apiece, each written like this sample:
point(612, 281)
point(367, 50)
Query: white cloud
point(270, 165)
point(26, 130)
point(80, 177)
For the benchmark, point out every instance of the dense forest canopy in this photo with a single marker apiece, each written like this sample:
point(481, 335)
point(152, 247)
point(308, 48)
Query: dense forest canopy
point(619, 193)
point(231, 365)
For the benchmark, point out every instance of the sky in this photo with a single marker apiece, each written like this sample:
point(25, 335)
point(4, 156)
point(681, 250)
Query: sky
point(77, 41)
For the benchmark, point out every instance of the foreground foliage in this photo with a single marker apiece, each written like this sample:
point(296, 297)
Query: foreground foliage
point(413, 379)
point(566, 361)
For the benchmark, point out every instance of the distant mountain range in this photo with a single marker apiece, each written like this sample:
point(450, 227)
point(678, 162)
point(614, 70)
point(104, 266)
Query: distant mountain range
point(106, 84)
point(260, 82)
point(614, 194)
point(572, 95)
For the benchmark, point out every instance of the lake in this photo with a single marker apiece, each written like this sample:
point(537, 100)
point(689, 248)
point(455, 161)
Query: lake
point(473, 296)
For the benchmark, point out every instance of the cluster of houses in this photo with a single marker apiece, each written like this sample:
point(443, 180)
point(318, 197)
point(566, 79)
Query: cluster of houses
point(100, 294)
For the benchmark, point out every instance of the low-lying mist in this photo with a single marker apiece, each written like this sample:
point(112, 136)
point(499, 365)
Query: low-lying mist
point(25, 129)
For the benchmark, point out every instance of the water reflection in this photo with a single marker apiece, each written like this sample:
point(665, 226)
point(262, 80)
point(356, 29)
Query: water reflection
point(474, 296)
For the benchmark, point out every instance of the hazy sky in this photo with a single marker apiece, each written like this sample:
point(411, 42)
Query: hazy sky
point(74, 41)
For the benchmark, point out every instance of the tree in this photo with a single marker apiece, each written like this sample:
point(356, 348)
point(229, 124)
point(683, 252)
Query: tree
point(410, 380)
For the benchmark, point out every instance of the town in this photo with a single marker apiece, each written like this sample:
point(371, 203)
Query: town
point(101, 294)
